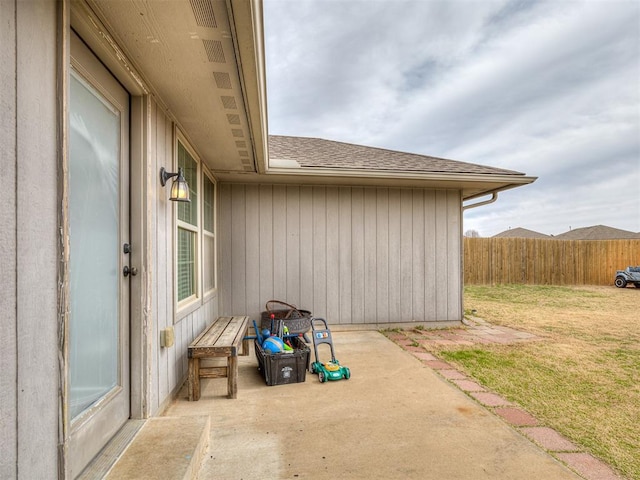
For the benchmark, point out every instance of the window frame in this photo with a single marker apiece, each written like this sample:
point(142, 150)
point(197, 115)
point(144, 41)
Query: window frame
point(200, 297)
point(206, 173)
point(187, 305)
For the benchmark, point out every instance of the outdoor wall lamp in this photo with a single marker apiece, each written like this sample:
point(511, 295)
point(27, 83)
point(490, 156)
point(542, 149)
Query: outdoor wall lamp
point(179, 188)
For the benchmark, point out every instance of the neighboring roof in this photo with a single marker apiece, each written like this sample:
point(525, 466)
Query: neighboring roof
point(320, 153)
point(520, 232)
point(597, 232)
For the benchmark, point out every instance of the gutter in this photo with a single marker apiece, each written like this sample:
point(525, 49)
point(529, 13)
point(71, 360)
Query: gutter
point(494, 197)
point(513, 180)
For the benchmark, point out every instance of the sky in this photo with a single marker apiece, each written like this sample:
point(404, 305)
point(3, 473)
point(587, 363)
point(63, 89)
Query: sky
point(547, 88)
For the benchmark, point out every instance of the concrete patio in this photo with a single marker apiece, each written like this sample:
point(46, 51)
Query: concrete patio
point(395, 418)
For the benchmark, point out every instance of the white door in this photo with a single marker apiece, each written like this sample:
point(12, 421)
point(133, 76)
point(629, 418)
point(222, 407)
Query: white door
point(98, 401)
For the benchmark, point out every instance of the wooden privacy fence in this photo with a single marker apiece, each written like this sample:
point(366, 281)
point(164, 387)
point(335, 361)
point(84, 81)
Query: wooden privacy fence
point(489, 261)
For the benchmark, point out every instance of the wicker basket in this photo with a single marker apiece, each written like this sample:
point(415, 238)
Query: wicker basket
point(298, 321)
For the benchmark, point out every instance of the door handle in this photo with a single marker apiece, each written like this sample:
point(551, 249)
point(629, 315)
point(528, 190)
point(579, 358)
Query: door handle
point(126, 271)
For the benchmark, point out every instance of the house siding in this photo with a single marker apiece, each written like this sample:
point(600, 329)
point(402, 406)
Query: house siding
point(31, 304)
point(169, 366)
point(354, 255)
point(28, 304)
point(8, 257)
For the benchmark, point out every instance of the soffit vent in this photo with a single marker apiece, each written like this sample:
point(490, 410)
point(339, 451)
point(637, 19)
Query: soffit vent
point(233, 119)
point(237, 132)
point(222, 80)
point(214, 50)
point(203, 11)
point(243, 153)
point(241, 144)
point(229, 102)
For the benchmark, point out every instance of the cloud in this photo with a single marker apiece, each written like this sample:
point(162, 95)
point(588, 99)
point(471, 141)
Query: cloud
point(548, 88)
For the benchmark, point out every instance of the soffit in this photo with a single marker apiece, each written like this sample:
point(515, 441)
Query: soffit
point(471, 186)
point(186, 55)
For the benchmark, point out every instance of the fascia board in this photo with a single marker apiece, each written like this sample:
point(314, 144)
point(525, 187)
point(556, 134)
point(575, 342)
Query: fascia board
point(247, 20)
point(461, 178)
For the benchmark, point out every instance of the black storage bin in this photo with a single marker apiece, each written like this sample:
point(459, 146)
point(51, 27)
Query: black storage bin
point(284, 368)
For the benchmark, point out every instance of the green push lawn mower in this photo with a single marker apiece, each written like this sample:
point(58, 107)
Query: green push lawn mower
point(330, 370)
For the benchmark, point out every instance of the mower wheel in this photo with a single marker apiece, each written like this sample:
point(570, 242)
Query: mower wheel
point(347, 374)
point(321, 377)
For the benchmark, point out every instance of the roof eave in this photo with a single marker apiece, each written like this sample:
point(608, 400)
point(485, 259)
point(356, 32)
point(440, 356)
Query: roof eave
point(247, 20)
point(472, 185)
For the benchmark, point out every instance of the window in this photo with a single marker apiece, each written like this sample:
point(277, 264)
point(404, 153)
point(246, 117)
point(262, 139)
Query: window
point(187, 250)
point(208, 234)
point(195, 236)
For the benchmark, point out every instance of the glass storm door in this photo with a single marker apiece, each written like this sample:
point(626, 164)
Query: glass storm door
point(98, 377)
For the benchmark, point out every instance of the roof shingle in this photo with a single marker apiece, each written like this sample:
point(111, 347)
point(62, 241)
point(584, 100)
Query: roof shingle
point(320, 153)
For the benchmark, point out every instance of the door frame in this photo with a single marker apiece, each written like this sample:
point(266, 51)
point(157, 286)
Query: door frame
point(142, 186)
point(76, 15)
point(91, 430)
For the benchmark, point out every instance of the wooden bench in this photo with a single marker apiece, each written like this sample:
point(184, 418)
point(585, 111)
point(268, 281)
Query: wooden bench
point(220, 339)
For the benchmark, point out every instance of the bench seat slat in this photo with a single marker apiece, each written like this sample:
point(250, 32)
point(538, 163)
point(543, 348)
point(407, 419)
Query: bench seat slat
point(211, 333)
point(224, 332)
point(232, 334)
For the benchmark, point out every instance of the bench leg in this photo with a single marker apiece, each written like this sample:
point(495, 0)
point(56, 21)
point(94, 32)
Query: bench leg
point(232, 376)
point(194, 379)
point(245, 347)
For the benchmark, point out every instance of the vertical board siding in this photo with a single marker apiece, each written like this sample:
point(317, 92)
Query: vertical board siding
point(168, 367)
point(9, 355)
point(418, 256)
point(454, 288)
point(357, 255)
point(30, 376)
point(224, 238)
point(370, 256)
point(406, 255)
point(333, 252)
point(318, 240)
point(306, 248)
point(382, 256)
point(431, 258)
point(279, 234)
point(252, 227)
point(489, 261)
point(292, 245)
point(265, 236)
point(352, 255)
point(238, 255)
point(345, 253)
point(394, 256)
point(159, 244)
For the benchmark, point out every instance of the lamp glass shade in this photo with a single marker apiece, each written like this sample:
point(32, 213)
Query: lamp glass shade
point(180, 190)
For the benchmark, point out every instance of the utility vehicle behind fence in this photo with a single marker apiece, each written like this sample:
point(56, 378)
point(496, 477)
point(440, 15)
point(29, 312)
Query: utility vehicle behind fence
point(628, 275)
